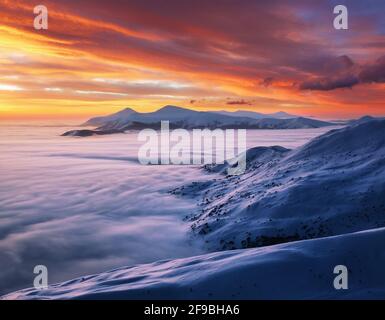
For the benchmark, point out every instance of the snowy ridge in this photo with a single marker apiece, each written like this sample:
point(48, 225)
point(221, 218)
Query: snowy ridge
point(123, 116)
point(335, 184)
point(256, 159)
point(299, 270)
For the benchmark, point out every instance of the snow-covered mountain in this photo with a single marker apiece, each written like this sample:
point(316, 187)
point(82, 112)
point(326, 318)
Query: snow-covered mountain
point(363, 120)
point(189, 119)
point(333, 185)
point(177, 117)
point(257, 115)
point(297, 270)
point(129, 119)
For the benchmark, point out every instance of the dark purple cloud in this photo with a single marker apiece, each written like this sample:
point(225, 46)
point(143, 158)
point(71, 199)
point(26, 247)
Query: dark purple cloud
point(330, 84)
point(348, 76)
point(267, 81)
point(374, 73)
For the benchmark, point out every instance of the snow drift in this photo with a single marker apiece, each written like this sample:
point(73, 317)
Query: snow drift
point(300, 270)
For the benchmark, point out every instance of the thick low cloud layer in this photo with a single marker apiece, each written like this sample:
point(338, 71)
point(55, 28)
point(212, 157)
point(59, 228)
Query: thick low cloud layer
point(83, 206)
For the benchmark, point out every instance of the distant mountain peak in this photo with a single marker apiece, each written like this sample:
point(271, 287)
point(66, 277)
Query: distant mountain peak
point(126, 111)
point(282, 113)
point(364, 119)
point(173, 108)
point(367, 118)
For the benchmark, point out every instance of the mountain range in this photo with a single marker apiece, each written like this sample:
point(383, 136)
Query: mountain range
point(178, 117)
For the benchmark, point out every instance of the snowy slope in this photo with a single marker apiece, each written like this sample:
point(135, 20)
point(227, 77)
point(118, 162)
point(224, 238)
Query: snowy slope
point(123, 116)
point(298, 270)
point(335, 184)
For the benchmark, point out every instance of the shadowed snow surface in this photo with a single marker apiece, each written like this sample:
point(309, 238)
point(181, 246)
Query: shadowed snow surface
point(299, 270)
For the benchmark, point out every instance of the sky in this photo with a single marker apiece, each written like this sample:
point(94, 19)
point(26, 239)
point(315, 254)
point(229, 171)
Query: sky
point(98, 57)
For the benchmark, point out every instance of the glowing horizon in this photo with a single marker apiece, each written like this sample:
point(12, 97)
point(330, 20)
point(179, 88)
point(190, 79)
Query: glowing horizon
point(97, 58)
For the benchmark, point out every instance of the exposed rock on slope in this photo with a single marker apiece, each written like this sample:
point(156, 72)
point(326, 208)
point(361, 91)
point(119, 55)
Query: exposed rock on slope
point(335, 184)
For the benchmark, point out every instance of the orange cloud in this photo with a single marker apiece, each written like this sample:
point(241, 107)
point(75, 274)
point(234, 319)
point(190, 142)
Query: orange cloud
point(100, 56)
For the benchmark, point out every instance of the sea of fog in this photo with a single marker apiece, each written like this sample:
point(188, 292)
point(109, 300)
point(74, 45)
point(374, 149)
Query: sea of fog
point(85, 205)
